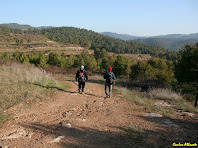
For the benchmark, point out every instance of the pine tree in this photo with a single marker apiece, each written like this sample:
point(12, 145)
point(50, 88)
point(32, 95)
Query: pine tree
point(42, 61)
point(5, 56)
point(122, 66)
point(186, 69)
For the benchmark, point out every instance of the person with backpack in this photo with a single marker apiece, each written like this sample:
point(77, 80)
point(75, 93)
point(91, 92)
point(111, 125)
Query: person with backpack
point(81, 77)
point(110, 81)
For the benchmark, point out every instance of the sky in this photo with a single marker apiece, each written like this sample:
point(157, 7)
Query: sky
point(132, 17)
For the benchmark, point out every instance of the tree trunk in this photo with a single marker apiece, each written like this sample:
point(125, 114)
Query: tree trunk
point(196, 98)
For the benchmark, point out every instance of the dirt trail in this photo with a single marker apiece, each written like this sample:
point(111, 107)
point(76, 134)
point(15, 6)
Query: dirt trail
point(84, 120)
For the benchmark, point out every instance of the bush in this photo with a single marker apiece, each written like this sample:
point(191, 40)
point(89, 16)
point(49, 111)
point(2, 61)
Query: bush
point(155, 69)
point(164, 94)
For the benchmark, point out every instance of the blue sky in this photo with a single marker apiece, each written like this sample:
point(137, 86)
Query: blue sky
point(133, 17)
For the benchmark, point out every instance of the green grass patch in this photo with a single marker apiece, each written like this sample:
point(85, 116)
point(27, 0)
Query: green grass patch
point(63, 85)
point(52, 84)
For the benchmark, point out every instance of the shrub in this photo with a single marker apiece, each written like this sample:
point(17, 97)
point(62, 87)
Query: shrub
point(164, 93)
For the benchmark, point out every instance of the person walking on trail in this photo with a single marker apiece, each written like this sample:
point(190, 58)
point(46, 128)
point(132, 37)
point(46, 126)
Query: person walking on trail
point(81, 77)
point(110, 81)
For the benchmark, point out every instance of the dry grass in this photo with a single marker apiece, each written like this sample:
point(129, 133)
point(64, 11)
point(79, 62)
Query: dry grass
point(96, 77)
point(123, 90)
point(164, 94)
point(171, 101)
point(21, 83)
point(159, 100)
point(172, 98)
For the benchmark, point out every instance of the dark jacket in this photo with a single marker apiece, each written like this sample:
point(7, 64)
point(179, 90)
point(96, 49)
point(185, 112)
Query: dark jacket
point(85, 74)
point(106, 75)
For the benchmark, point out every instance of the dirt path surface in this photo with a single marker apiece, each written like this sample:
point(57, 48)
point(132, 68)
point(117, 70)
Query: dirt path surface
point(90, 120)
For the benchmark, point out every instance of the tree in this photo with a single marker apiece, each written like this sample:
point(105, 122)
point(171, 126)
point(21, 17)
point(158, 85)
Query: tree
point(99, 63)
point(5, 56)
point(142, 70)
point(79, 61)
point(42, 61)
point(21, 41)
point(103, 53)
point(97, 53)
point(86, 44)
point(23, 58)
point(156, 69)
point(186, 69)
point(105, 64)
point(91, 63)
point(85, 54)
point(70, 60)
point(122, 66)
point(33, 57)
point(56, 59)
point(17, 41)
point(52, 59)
point(16, 56)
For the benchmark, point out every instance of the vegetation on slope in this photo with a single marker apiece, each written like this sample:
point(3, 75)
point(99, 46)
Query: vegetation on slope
point(154, 70)
point(24, 84)
point(93, 40)
point(168, 43)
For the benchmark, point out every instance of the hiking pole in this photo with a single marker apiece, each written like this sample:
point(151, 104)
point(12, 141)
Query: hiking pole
point(113, 88)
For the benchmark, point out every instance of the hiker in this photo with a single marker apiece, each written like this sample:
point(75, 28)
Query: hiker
point(81, 77)
point(110, 81)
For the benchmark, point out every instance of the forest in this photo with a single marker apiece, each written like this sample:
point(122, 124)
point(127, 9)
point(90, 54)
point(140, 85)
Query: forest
point(92, 40)
point(175, 70)
point(180, 75)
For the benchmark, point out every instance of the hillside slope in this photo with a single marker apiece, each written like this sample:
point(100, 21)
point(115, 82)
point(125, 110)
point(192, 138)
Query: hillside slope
point(23, 27)
point(90, 120)
point(89, 39)
point(121, 36)
point(11, 38)
point(93, 40)
point(170, 41)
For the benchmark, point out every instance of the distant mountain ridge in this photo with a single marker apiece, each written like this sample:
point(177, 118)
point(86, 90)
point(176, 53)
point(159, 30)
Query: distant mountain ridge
point(121, 36)
point(184, 36)
point(16, 26)
point(131, 37)
point(88, 39)
point(170, 41)
point(23, 27)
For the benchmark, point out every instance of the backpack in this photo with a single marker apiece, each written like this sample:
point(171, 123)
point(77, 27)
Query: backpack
point(81, 76)
point(109, 77)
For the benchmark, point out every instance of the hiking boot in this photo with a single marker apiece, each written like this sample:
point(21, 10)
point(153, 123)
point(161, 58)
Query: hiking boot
point(79, 91)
